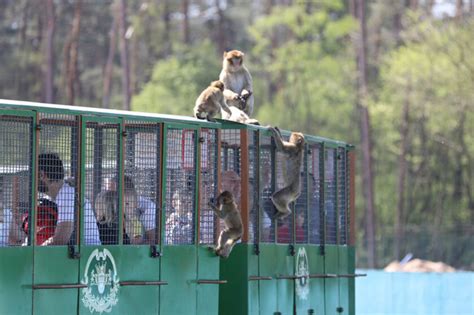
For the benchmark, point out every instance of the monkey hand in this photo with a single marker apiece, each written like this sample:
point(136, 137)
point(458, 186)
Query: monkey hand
point(245, 94)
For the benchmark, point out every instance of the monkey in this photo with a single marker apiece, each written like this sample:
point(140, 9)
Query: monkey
point(227, 210)
point(239, 116)
point(210, 102)
point(237, 81)
point(293, 149)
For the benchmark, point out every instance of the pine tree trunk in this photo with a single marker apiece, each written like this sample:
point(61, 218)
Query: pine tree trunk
point(186, 36)
point(221, 41)
point(70, 55)
point(109, 66)
point(124, 57)
point(402, 174)
point(359, 9)
point(50, 24)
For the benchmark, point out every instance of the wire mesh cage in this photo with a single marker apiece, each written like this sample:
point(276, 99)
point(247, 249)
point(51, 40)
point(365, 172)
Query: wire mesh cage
point(142, 180)
point(342, 201)
point(316, 215)
point(253, 185)
point(230, 164)
point(208, 185)
point(101, 163)
point(180, 186)
point(285, 225)
point(16, 147)
point(267, 162)
point(301, 204)
point(58, 161)
point(330, 196)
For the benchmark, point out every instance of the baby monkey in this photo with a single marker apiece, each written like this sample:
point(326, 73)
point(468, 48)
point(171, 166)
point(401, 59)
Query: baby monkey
point(293, 149)
point(211, 101)
point(226, 210)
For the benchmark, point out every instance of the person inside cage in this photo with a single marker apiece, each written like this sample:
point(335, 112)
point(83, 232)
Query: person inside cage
point(107, 215)
point(285, 229)
point(46, 220)
point(51, 183)
point(230, 181)
point(179, 224)
point(142, 216)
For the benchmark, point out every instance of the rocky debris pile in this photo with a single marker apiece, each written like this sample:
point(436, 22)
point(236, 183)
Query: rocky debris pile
point(418, 265)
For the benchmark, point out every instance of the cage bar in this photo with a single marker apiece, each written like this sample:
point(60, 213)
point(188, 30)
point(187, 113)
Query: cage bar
point(208, 185)
point(330, 195)
point(180, 186)
point(142, 180)
point(16, 172)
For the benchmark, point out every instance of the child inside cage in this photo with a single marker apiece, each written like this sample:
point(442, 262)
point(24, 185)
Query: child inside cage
point(106, 211)
point(179, 224)
point(140, 211)
point(46, 220)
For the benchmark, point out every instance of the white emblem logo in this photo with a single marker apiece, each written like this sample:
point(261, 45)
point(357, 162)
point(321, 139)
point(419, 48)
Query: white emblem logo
point(302, 272)
point(100, 276)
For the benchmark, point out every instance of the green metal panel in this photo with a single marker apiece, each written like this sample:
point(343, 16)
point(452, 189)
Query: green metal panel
point(309, 293)
point(276, 295)
point(331, 286)
point(239, 296)
point(133, 266)
point(316, 288)
point(53, 266)
point(233, 296)
point(16, 264)
point(178, 268)
point(344, 282)
point(351, 285)
point(208, 269)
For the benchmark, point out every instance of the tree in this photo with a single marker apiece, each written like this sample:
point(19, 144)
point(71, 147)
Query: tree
point(365, 131)
point(49, 52)
point(124, 56)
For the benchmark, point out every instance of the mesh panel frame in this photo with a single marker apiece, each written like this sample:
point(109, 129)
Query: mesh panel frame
point(16, 145)
point(101, 163)
point(316, 213)
point(342, 188)
point(301, 204)
point(253, 185)
point(330, 196)
point(142, 177)
point(208, 221)
point(59, 135)
point(180, 187)
point(267, 171)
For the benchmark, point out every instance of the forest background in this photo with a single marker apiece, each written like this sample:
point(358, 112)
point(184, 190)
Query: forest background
point(393, 77)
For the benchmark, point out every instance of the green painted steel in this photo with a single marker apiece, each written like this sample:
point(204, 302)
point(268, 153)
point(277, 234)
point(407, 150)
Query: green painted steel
point(331, 285)
point(344, 281)
point(238, 295)
point(134, 269)
point(178, 269)
point(311, 297)
point(16, 292)
point(208, 293)
point(262, 278)
point(52, 266)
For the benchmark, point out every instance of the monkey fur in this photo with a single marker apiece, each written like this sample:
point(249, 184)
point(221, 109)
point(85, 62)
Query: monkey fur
point(293, 149)
point(227, 210)
point(211, 101)
point(237, 81)
point(239, 116)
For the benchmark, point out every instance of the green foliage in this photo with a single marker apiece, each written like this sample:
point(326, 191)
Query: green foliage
point(307, 58)
point(177, 81)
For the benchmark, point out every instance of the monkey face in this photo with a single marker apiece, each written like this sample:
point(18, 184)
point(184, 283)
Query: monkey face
point(234, 58)
point(297, 138)
point(218, 84)
point(225, 198)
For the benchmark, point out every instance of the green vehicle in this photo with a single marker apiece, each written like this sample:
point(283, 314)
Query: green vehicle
point(107, 211)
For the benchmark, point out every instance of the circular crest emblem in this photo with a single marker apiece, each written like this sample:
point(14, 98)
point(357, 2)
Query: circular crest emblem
point(302, 271)
point(100, 276)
